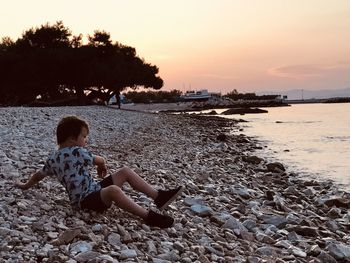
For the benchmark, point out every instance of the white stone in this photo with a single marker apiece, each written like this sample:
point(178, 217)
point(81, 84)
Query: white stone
point(79, 247)
point(114, 239)
point(128, 253)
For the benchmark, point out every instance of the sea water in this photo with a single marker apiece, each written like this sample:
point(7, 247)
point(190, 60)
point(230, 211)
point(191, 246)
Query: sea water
point(312, 140)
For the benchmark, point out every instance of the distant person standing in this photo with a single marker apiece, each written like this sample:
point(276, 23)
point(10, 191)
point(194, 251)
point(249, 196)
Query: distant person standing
point(117, 97)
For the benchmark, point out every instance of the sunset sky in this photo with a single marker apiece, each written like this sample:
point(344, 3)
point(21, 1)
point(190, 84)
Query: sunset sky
point(251, 45)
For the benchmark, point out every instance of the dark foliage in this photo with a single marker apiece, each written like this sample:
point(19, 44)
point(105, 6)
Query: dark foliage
point(51, 64)
point(153, 96)
point(248, 96)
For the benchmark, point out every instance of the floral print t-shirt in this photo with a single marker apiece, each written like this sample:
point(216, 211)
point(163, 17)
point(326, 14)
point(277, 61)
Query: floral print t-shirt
point(71, 167)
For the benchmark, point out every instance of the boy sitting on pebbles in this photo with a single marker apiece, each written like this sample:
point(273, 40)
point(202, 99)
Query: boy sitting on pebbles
point(70, 165)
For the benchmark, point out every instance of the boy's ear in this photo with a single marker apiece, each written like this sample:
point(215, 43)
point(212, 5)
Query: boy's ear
point(74, 138)
point(71, 138)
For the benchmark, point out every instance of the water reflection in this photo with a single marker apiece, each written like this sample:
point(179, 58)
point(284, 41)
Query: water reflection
point(312, 138)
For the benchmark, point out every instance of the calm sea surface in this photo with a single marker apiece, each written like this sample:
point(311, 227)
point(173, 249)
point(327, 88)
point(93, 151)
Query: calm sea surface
point(311, 139)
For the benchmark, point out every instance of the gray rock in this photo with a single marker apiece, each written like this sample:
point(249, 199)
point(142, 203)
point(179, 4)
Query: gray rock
point(314, 250)
point(151, 247)
point(179, 246)
point(335, 212)
point(267, 251)
point(28, 219)
point(217, 252)
point(276, 220)
point(331, 201)
point(332, 225)
point(297, 252)
point(240, 190)
point(79, 247)
point(52, 235)
point(245, 235)
point(339, 251)
point(249, 224)
point(293, 219)
point(275, 167)
point(264, 238)
point(305, 230)
point(294, 237)
point(309, 192)
point(4, 231)
point(189, 201)
point(128, 253)
point(171, 256)
point(97, 228)
point(283, 243)
point(202, 210)
point(204, 241)
point(86, 256)
point(252, 259)
point(253, 159)
point(107, 259)
point(114, 239)
point(204, 259)
point(44, 251)
point(67, 236)
point(220, 218)
point(326, 258)
point(159, 260)
point(233, 223)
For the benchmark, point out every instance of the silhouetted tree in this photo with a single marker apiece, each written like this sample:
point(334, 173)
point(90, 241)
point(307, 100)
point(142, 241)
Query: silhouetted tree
point(153, 96)
point(51, 63)
point(235, 95)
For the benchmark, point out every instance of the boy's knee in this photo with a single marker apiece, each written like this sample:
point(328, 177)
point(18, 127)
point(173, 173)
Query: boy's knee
point(111, 190)
point(114, 189)
point(108, 194)
point(125, 169)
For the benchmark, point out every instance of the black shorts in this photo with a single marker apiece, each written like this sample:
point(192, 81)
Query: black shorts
point(94, 201)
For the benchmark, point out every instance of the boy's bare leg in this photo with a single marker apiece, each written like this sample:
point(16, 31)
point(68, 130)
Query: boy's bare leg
point(125, 174)
point(114, 194)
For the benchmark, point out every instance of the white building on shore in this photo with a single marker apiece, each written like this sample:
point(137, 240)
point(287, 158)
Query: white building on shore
point(200, 95)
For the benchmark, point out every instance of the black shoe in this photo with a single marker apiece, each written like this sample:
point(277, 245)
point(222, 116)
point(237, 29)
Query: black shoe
point(166, 197)
point(159, 220)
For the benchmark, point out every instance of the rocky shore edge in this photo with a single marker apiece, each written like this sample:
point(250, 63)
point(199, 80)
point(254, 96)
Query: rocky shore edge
point(237, 207)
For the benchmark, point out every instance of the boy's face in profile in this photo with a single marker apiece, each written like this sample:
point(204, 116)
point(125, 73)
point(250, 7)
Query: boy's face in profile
point(81, 140)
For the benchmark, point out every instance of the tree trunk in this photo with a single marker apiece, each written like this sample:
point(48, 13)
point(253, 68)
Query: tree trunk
point(81, 100)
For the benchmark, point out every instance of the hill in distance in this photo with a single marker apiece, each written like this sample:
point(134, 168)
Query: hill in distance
point(298, 94)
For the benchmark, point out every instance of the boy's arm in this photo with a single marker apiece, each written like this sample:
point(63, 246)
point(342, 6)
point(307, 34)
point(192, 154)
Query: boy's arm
point(101, 166)
point(33, 180)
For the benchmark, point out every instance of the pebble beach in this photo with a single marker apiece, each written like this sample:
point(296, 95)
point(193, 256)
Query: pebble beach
point(236, 206)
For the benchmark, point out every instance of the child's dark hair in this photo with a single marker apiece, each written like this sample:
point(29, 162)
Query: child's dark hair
point(70, 126)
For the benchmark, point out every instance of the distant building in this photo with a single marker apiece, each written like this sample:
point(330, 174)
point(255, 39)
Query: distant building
point(201, 95)
point(281, 97)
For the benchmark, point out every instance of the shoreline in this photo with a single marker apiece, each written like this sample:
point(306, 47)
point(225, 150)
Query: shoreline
point(237, 207)
point(197, 106)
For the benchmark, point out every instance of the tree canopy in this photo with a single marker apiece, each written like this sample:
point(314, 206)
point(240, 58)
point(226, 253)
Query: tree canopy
point(48, 62)
point(153, 96)
point(235, 95)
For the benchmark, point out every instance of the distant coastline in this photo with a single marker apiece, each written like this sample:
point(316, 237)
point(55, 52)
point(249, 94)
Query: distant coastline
point(300, 94)
point(329, 100)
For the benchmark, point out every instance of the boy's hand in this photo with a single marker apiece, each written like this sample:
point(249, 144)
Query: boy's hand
point(21, 185)
point(33, 180)
point(101, 170)
point(101, 166)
